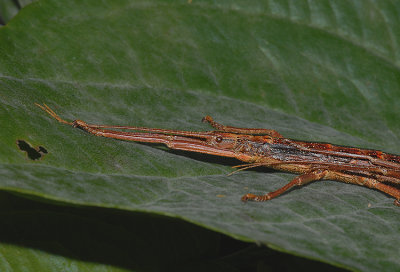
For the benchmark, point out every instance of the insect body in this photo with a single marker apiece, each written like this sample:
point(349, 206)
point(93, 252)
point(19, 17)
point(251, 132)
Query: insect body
point(266, 147)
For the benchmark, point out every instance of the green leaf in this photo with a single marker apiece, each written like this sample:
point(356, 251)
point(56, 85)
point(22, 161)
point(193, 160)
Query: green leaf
point(318, 71)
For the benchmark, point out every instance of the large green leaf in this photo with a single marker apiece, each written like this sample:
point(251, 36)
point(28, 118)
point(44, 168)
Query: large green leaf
point(321, 71)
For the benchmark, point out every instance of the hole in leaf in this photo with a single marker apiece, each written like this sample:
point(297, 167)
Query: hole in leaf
point(32, 153)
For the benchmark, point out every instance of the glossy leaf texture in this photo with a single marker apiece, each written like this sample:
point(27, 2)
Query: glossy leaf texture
point(312, 70)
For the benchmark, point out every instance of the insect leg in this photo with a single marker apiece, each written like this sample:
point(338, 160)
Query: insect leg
point(367, 182)
point(220, 127)
point(297, 181)
point(331, 175)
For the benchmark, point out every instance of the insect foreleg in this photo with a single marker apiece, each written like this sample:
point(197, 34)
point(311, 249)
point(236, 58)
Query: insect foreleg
point(224, 128)
point(297, 181)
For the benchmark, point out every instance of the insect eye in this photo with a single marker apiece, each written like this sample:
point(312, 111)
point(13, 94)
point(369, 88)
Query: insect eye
point(218, 139)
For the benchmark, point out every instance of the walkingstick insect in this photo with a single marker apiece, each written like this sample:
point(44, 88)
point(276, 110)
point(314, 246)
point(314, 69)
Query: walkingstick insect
point(266, 147)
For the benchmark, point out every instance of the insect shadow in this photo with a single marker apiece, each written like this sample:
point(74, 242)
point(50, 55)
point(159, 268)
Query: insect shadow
point(225, 161)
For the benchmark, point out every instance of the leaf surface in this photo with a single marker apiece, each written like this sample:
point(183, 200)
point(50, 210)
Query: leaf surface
point(319, 71)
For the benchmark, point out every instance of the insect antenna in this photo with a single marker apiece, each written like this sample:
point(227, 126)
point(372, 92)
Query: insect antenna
point(53, 114)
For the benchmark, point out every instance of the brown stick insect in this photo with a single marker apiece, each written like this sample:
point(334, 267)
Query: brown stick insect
point(266, 147)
